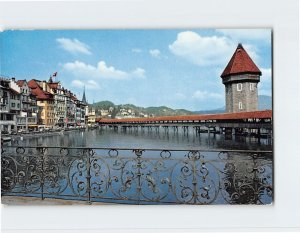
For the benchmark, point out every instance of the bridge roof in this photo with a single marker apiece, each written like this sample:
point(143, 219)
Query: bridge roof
point(266, 114)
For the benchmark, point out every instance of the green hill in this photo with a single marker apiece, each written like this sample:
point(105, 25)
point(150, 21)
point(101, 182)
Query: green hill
point(264, 102)
point(139, 111)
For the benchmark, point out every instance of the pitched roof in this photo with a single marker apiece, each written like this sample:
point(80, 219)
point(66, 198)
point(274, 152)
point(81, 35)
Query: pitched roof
point(265, 114)
point(38, 91)
point(20, 83)
point(240, 63)
point(53, 85)
point(14, 91)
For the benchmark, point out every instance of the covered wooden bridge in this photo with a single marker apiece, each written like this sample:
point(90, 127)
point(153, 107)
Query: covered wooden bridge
point(256, 122)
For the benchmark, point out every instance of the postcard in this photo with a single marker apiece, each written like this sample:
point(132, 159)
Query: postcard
point(132, 116)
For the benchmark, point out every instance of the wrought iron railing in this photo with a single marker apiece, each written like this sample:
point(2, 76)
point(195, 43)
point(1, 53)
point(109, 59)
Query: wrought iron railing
point(139, 176)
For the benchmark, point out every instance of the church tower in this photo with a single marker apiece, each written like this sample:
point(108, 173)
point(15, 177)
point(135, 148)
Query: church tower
point(240, 78)
point(83, 96)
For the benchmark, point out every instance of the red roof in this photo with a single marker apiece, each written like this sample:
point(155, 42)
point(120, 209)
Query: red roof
point(266, 114)
point(53, 85)
point(20, 83)
point(37, 91)
point(240, 63)
point(73, 97)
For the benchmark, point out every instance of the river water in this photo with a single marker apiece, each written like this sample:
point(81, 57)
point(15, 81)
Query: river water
point(146, 139)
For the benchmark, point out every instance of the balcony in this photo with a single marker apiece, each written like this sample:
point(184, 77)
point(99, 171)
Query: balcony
point(26, 120)
point(139, 176)
point(4, 109)
point(7, 122)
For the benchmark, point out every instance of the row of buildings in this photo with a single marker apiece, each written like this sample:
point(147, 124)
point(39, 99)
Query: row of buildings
point(33, 105)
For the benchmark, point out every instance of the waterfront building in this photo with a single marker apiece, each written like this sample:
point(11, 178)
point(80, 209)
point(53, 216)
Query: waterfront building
point(7, 118)
point(15, 97)
point(60, 102)
point(240, 78)
point(71, 108)
point(80, 113)
point(91, 116)
point(45, 101)
point(28, 112)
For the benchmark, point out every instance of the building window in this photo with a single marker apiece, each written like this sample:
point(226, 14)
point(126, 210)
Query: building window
point(240, 105)
point(251, 86)
point(13, 105)
point(239, 86)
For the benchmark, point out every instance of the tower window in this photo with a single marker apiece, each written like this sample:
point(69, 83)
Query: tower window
point(251, 86)
point(240, 105)
point(239, 86)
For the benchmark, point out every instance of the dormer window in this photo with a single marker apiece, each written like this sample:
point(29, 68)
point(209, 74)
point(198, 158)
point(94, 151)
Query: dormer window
point(239, 86)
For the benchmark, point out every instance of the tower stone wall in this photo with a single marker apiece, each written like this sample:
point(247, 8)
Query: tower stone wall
point(242, 95)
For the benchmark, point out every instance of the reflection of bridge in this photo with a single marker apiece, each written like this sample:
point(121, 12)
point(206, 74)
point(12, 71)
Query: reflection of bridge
point(243, 123)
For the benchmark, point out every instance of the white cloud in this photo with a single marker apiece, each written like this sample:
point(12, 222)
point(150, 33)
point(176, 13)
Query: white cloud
point(202, 50)
point(90, 84)
point(74, 46)
point(204, 95)
point(82, 69)
point(247, 34)
point(208, 50)
point(136, 50)
point(154, 53)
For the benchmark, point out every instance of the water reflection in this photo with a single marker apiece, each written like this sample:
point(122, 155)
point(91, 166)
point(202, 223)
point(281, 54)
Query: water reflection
point(148, 139)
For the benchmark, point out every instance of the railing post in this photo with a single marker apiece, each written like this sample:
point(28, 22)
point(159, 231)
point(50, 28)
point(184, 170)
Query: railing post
point(139, 153)
point(42, 151)
point(88, 177)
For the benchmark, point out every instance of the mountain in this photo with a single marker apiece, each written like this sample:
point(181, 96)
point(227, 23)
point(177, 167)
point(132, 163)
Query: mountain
point(213, 111)
point(264, 102)
point(103, 104)
point(132, 110)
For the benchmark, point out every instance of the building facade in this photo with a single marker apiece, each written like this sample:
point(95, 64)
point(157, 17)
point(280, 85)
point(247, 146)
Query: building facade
point(241, 77)
point(60, 103)
point(7, 118)
point(45, 102)
point(28, 113)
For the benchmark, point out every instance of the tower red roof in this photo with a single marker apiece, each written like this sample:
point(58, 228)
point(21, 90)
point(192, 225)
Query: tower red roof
point(240, 63)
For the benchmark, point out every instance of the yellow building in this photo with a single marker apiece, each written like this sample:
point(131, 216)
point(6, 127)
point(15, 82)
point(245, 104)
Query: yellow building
point(91, 116)
point(45, 102)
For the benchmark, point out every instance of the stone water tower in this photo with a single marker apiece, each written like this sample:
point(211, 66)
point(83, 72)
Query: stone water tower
point(240, 78)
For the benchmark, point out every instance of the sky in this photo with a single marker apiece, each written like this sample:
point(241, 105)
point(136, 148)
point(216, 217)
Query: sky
point(176, 68)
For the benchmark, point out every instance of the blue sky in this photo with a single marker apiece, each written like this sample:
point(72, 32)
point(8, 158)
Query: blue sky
point(175, 68)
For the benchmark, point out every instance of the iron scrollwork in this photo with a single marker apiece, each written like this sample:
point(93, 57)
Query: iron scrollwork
point(139, 176)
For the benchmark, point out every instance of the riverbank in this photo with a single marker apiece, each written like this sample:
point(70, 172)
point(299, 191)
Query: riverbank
point(15, 200)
